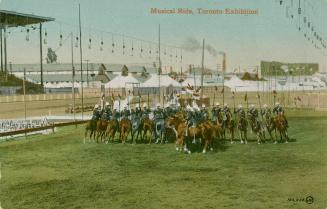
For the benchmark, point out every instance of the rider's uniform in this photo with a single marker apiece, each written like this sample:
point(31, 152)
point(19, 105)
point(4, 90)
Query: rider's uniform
point(108, 112)
point(204, 114)
point(125, 114)
point(96, 114)
point(266, 114)
point(159, 118)
point(116, 114)
point(278, 109)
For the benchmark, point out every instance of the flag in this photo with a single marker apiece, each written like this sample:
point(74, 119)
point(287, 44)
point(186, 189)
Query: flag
point(216, 88)
point(233, 94)
point(223, 90)
point(258, 96)
point(274, 92)
point(246, 97)
point(119, 96)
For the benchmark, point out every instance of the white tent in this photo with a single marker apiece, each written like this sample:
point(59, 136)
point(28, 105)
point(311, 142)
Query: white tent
point(165, 81)
point(121, 81)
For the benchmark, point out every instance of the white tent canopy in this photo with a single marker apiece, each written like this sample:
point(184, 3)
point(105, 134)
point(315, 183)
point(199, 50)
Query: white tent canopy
point(121, 81)
point(165, 81)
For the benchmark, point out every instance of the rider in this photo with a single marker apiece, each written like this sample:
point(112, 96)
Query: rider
point(116, 114)
point(145, 112)
point(96, 112)
point(158, 118)
point(265, 112)
point(204, 113)
point(226, 109)
point(278, 109)
point(253, 112)
point(108, 111)
point(126, 113)
point(240, 111)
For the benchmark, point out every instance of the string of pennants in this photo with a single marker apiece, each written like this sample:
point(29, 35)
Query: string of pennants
point(115, 43)
point(302, 13)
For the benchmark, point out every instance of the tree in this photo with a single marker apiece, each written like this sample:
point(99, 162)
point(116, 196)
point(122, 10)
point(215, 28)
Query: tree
point(51, 56)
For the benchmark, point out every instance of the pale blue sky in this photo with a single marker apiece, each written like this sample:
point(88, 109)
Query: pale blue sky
point(245, 39)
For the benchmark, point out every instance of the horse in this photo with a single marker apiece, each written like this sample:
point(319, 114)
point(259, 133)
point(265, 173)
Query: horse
point(257, 128)
point(101, 129)
point(112, 128)
point(147, 126)
point(90, 126)
point(136, 128)
point(125, 127)
point(242, 126)
point(209, 132)
point(159, 130)
point(179, 126)
point(281, 126)
point(270, 127)
point(227, 123)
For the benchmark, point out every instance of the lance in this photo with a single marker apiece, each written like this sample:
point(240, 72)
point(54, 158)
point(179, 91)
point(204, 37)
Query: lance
point(274, 92)
point(233, 95)
point(258, 96)
point(139, 100)
point(246, 99)
point(119, 105)
point(148, 99)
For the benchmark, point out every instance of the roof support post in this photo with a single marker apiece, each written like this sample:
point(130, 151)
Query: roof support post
point(5, 47)
point(41, 55)
point(1, 49)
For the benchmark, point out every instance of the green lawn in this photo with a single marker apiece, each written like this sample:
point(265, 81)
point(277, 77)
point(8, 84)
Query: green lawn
point(59, 171)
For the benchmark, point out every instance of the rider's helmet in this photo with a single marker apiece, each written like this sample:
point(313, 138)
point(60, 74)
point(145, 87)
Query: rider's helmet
point(96, 106)
point(265, 106)
point(217, 104)
point(144, 105)
point(240, 107)
point(203, 106)
point(107, 103)
point(252, 106)
point(158, 106)
point(277, 104)
point(226, 105)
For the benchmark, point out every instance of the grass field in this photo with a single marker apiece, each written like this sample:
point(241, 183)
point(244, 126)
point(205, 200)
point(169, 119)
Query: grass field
point(59, 171)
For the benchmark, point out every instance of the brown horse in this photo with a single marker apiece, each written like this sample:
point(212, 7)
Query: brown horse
point(90, 126)
point(209, 132)
point(147, 125)
point(125, 127)
point(112, 128)
point(101, 129)
point(281, 126)
point(179, 126)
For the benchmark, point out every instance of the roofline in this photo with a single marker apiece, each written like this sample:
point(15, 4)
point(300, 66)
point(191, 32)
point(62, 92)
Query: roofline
point(24, 15)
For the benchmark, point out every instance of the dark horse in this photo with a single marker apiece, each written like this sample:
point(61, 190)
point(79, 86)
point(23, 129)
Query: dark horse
point(242, 126)
point(136, 128)
point(257, 128)
point(227, 124)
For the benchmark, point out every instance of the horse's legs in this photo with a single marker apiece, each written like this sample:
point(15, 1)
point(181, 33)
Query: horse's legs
point(205, 146)
point(232, 134)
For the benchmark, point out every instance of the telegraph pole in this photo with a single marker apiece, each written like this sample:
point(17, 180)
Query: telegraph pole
point(81, 55)
point(73, 77)
point(87, 72)
point(159, 66)
point(202, 68)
